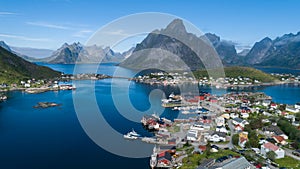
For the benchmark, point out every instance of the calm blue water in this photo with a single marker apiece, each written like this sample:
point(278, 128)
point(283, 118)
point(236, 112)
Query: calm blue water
point(53, 138)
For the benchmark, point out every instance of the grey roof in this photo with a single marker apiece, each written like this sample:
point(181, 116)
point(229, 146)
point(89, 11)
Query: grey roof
point(274, 129)
point(192, 135)
point(238, 119)
point(238, 163)
point(206, 163)
point(220, 134)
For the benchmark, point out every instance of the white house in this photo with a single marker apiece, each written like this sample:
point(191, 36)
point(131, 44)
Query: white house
point(221, 129)
point(274, 106)
point(239, 121)
point(26, 85)
point(197, 126)
point(192, 135)
point(244, 115)
point(217, 137)
point(220, 121)
point(265, 148)
point(297, 106)
point(291, 109)
point(266, 103)
point(234, 115)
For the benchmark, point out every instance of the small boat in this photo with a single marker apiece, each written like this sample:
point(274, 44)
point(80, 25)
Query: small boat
point(133, 133)
point(171, 95)
point(129, 136)
point(185, 112)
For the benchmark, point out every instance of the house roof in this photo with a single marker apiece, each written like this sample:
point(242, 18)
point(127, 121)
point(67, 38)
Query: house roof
point(165, 155)
point(238, 163)
point(239, 120)
point(271, 146)
point(202, 148)
point(220, 134)
point(243, 139)
point(278, 138)
point(274, 129)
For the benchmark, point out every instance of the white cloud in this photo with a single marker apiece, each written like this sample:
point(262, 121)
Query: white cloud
point(82, 33)
point(24, 38)
point(2, 13)
point(49, 25)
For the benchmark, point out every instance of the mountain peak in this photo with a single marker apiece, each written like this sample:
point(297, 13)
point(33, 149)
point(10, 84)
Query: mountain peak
point(266, 39)
point(176, 26)
point(5, 46)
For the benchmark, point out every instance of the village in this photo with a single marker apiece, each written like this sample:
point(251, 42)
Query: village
point(236, 129)
point(174, 78)
point(64, 82)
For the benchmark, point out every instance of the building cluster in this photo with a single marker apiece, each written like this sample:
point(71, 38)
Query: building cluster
point(215, 120)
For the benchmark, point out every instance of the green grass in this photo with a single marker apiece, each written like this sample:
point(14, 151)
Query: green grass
point(174, 129)
point(288, 162)
point(237, 71)
point(193, 160)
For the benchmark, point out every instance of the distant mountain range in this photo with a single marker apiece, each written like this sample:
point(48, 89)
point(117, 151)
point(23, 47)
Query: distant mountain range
point(77, 53)
point(32, 52)
point(14, 68)
point(283, 51)
point(69, 54)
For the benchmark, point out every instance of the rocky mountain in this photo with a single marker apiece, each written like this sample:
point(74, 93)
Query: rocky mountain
point(161, 49)
point(225, 49)
point(5, 46)
point(244, 52)
point(77, 53)
point(283, 51)
point(258, 52)
point(13, 68)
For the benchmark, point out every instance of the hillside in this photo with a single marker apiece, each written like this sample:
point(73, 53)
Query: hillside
point(236, 71)
point(13, 69)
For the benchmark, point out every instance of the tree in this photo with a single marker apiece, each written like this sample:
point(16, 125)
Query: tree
point(235, 139)
point(297, 116)
point(256, 123)
point(271, 155)
point(208, 148)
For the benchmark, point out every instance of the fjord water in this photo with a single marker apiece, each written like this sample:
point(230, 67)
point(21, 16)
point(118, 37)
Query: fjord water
point(53, 138)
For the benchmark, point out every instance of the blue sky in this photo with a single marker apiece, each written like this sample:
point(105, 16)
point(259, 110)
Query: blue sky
point(50, 23)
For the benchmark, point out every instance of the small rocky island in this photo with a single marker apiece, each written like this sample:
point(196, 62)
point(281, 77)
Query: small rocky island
point(46, 105)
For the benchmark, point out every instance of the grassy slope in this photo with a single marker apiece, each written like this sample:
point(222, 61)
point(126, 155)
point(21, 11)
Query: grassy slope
point(13, 69)
point(239, 71)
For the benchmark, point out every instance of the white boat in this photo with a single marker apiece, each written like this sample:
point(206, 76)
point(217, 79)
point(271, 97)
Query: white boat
point(133, 133)
point(171, 95)
point(129, 136)
point(185, 112)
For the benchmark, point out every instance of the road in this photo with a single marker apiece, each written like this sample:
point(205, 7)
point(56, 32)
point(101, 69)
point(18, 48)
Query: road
point(289, 153)
point(230, 145)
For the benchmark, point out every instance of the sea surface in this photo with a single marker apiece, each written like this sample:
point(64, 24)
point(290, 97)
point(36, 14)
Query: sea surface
point(53, 138)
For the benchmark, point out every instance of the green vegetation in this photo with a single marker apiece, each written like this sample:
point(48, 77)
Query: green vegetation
point(291, 131)
point(13, 69)
point(193, 160)
point(271, 155)
point(236, 71)
point(235, 139)
point(288, 162)
point(173, 129)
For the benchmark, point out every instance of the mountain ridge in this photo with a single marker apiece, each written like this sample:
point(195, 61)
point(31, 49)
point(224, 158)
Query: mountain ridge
point(14, 68)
